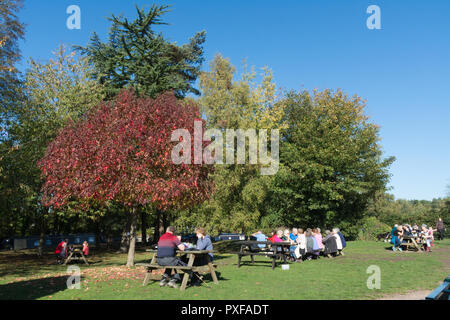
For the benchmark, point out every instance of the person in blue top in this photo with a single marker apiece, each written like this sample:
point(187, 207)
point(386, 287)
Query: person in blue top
point(203, 243)
point(260, 237)
point(293, 236)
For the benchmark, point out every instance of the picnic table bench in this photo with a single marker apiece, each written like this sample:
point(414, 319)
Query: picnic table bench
point(191, 255)
point(274, 250)
point(442, 292)
point(76, 255)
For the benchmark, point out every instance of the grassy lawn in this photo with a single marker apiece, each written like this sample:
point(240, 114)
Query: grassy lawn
point(23, 276)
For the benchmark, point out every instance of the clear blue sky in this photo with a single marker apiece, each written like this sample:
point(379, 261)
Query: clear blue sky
point(403, 70)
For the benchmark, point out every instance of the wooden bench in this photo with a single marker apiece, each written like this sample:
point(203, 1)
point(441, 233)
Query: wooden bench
point(442, 292)
point(275, 251)
point(192, 254)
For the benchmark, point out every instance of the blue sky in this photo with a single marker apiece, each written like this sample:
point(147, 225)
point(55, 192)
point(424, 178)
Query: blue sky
point(403, 70)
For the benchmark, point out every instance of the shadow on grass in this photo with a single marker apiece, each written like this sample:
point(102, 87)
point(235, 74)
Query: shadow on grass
point(33, 289)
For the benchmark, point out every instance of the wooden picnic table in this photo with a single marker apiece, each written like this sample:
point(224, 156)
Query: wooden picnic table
point(412, 242)
point(75, 255)
point(274, 250)
point(191, 255)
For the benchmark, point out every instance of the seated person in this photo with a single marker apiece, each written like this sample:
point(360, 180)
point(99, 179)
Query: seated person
point(203, 243)
point(166, 256)
point(330, 244)
point(61, 251)
point(285, 235)
point(260, 237)
point(396, 235)
point(293, 239)
point(276, 236)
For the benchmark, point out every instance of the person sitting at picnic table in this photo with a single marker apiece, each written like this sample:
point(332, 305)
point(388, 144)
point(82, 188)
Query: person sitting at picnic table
point(396, 234)
point(312, 249)
point(344, 243)
point(203, 243)
point(301, 241)
point(427, 234)
point(61, 251)
point(407, 230)
point(166, 256)
point(293, 239)
point(276, 236)
point(330, 244)
point(260, 237)
point(338, 240)
point(318, 236)
point(285, 235)
point(85, 248)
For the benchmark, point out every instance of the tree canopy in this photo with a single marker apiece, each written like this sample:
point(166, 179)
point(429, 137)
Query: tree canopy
point(135, 56)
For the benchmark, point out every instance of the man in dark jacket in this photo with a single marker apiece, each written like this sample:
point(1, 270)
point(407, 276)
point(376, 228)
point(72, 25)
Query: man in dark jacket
point(440, 228)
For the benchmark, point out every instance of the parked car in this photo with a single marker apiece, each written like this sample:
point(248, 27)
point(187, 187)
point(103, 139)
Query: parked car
point(230, 236)
point(191, 238)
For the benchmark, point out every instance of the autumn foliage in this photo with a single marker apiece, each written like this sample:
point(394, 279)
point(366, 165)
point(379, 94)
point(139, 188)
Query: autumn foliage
point(121, 151)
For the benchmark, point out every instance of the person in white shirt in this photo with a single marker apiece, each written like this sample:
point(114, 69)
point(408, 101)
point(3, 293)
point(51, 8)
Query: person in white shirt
point(338, 240)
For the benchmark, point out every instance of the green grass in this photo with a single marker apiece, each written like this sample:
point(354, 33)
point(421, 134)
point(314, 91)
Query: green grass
point(24, 276)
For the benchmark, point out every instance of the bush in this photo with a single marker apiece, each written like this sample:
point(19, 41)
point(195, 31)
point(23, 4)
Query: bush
point(371, 227)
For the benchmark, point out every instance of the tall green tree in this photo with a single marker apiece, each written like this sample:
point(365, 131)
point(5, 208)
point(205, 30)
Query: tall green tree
point(54, 92)
point(136, 56)
point(11, 31)
point(245, 103)
point(331, 160)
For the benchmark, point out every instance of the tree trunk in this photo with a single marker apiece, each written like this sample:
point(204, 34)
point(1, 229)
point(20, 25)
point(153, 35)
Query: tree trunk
point(131, 249)
point(162, 222)
point(157, 233)
point(42, 235)
point(144, 227)
point(125, 242)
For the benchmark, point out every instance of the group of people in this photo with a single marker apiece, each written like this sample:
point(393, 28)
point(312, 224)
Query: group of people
point(307, 244)
point(166, 255)
point(63, 249)
point(424, 234)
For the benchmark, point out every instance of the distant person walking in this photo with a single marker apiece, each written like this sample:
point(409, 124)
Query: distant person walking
point(440, 229)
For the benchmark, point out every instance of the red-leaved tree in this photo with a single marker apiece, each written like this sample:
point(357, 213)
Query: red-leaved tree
point(121, 151)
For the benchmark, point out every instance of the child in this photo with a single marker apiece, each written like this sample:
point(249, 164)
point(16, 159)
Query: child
point(85, 249)
point(427, 236)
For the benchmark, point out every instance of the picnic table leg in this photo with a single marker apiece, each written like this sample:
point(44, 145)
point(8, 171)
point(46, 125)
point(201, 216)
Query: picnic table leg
point(416, 245)
point(84, 258)
point(147, 277)
point(239, 260)
point(186, 275)
point(153, 259)
point(253, 259)
point(211, 270)
point(68, 258)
